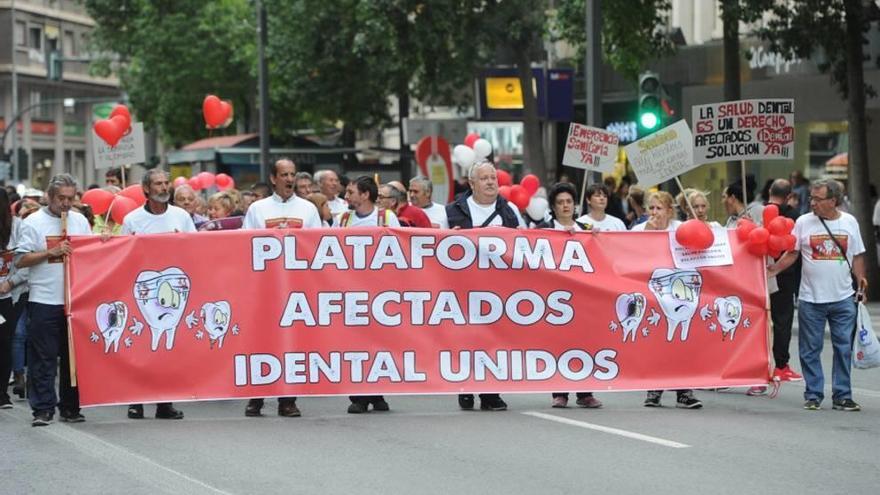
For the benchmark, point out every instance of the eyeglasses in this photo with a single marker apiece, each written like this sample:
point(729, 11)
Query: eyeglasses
point(384, 197)
point(814, 198)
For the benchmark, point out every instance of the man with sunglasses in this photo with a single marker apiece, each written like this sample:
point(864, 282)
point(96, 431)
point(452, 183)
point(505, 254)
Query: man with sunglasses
point(832, 254)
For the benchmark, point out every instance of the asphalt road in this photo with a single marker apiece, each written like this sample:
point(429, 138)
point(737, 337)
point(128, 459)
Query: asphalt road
point(735, 444)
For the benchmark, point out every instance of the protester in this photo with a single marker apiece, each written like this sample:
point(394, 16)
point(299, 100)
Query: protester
point(282, 210)
point(247, 198)
point(104, 224)
point(320, 202)
point(113, 177)
point(832, 254)
point(596, 219)
point(220, 205)
point(636, 201)
point(483, 207)
point(47, 322)
point(303, 184)
point(420, 190)
point(9, 279)
point(261, 190)
point(185, 197)
point(157, 217)
point(328, 181)
point(800, 189)
point(393, 197)
point(732, 198)
point(700, 204)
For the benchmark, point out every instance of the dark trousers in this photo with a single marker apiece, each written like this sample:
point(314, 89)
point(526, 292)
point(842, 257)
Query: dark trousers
point(580, 395)
point(7, 331)
point(47, 342)
point(782, 314)
point(483, 396)
point(365, 399)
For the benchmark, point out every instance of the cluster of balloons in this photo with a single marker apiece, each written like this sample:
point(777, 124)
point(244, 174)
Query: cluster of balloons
point(774, 238)
point(119, 205)
point(218, 113)
point(474, 148)
point(695, 234)
point(518, 194)
point(114, 128)
point(204, 180)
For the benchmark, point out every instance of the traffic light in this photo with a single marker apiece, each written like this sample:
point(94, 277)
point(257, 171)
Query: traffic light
point(54, 66)
point(650, 116)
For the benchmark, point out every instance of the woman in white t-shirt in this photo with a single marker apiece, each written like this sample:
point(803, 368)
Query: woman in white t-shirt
point(661, 208)
point(699, 202)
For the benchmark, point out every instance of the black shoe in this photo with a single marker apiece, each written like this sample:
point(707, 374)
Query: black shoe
point(254, 408)
point(168, 412)
point(688, 401)
point(42, 418)
point(846, 405)
point(653, 399)
point(136, 411)
point(5, 403)
point(466, 402)
point(812, 405)
point(357, 408)
point(72, 417)
point(20, 386)
point(288, 409)
point(493, 404)
point(380, 405)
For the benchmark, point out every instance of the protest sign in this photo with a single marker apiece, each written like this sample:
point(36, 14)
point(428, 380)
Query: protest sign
point(744, 130)
point(590, 148)
point(373, 311)
point(663, 155)
point(129, 150)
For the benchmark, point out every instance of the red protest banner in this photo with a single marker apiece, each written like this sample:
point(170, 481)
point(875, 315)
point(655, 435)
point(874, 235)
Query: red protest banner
point(237, 314)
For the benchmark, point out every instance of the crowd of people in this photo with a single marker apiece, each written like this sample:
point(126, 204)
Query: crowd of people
point(33, 226)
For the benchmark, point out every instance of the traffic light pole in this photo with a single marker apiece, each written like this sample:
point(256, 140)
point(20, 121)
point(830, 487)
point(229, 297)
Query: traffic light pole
point(593, 73)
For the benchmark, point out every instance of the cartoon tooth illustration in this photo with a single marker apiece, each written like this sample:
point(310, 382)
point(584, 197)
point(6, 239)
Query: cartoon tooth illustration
point(630, 312)
point(111, 319)
point(678, 293)
point(216, 318)
point(161, 297)
point(729, 312)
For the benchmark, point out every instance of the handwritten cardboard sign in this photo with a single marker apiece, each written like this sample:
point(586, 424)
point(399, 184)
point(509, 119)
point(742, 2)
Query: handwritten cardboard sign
point(663, 155)
point(590, 148)
point(129, 149)
point(744, 130)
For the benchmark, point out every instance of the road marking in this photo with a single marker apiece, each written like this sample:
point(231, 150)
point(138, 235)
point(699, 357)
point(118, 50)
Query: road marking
point(119, 458)
point(607, 429)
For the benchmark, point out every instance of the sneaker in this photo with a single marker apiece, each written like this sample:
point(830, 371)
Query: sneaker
point(846, 405)
point(493, 404)
point(72, 417)
point(288, 410)
point(653, 399)
point(5, 403)
point(167, 411)
point(466, 402)
point(589, 402)
point(381, 405)
point(254, 408)
point(560, 402)
point(43, 418)
point(136, 411)
point(812, 405)
point(792, 376)
point(688, 401)
point(754, 391)
point(357, 408)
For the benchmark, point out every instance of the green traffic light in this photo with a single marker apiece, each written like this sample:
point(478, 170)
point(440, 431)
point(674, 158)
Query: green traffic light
point(649, 120)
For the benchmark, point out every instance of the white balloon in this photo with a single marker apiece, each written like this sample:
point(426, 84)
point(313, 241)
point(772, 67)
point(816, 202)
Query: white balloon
point(482, 148)
point(537, 208)
point(464, 156)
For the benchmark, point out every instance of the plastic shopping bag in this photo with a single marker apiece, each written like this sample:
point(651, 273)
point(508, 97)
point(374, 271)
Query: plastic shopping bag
point(866, 347)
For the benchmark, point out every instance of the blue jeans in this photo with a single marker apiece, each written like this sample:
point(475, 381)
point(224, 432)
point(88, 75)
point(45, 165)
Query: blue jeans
point(841, 318)
point(19, 340)
point(47, 342)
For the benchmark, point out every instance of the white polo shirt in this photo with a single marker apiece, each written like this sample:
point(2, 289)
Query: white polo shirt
point(437, 215)
point(173, 219)
point(276, 213)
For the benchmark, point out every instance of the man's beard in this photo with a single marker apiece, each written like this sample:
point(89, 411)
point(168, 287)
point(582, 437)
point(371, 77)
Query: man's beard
point(160, 198)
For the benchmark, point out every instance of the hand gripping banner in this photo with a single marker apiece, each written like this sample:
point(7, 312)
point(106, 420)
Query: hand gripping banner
point(237, 314)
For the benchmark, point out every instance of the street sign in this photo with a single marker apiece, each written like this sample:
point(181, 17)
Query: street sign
point(453, 130)
point(129, 150)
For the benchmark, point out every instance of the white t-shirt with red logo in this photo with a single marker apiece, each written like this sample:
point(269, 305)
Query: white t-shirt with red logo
point(173, 219)
point(825, 275)
point(275, 213)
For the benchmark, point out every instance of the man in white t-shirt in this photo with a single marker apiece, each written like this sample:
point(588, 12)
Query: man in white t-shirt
point(43, 246)
point(282, 210)
point(420, 190)
point(596, 219)
point(328, 182)
point(157, 217)
point(829, 243)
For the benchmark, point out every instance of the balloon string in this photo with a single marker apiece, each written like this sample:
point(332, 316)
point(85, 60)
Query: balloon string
point(109, 208)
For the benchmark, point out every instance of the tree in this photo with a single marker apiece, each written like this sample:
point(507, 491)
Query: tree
point(171, 53)
point(836, 28)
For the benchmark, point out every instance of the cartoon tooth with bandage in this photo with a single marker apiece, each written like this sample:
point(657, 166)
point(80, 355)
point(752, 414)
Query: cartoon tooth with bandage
point(678, 293)
point(729, 312)
point(111, 319)
point(161, 297)
point(630, 312)
point(216, 317)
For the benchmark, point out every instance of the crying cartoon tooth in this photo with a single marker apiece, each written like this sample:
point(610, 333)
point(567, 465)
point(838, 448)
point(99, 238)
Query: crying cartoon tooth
point(729, 312)
point(111, 319)
point(678, 293)
point(216, 317)
point(630, 312)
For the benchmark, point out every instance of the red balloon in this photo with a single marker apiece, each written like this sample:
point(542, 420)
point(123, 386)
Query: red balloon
point(758, 249)
point(789, 225)
point(504, 192)
point(121, 206)
point(530, 183)
point(222, 180)
point(790, 241)
point(229, 186)
point(519, 196)
point(471, 139)
point(195, 183)
point(504, 178)
point(109, 131)
point(216, 111)
point(770, 212)
point(695, 234)
point(135, 192)
point(759, 236)
point(776, 243)
point(744, 227)
point(777, 226)
point(179, 181)
point(774, 254)
point(98, 199)
point(122, 111)
point(206, 179)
